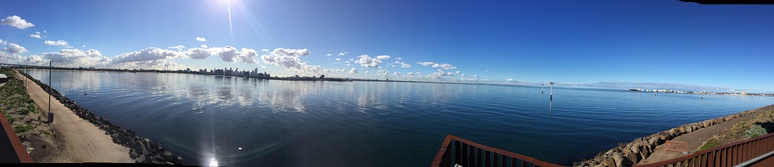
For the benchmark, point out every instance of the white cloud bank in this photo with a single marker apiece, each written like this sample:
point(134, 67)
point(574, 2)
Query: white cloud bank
point(13, 48)
point(436, 65)
point(289, 59)
point(61, 43)
point(368, 62)
point(16, 21)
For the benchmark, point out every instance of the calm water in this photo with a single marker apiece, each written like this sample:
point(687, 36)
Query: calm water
point(302, 123)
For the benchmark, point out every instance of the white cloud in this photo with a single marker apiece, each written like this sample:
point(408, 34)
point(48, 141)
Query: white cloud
point(328, 54)
point(13, 48)
point(61, 43)
point(247, 56)
point(264, 50)
point(444, 66)
point(203, 46)
point(509, 79)
point(352, 71)
point(291, 52)
point(343, 53)
point(77, 57)
point(177, 47)
point(198, 53)
point(338, 59)
point(475, 76)
point(435, 65)
point(398, 58)
point(227, 54)
point(149, 64)
point(16, 21)
point(201, 39)
point(383, 57)
point(396, 73)
point(145, 55)
point(441, 73)
point(289, 58)
point(426, 63)
point(35, 35)
point(3, 42)
point(369, 62)
point(403, 64)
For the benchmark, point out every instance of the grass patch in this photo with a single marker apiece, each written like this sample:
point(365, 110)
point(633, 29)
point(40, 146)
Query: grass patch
point(46, 132)
point(10, 118)
point(22, 128)
point(711, 143)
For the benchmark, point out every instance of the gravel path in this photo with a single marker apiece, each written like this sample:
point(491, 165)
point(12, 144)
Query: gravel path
point(78, 140)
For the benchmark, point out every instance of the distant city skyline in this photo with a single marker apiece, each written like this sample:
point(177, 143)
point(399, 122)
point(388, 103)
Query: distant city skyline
point(589, 42)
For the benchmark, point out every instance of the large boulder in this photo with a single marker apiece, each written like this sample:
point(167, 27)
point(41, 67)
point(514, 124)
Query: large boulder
point(618, 159)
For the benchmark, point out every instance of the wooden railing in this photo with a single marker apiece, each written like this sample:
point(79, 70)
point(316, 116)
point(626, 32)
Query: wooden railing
point(756, 149)
point(457, 152)
point(11, 148)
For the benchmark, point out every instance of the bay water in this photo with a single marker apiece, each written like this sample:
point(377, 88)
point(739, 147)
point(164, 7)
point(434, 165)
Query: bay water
point(253, 122)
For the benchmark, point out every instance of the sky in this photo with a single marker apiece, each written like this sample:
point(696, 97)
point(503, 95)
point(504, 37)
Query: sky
point(569, 42)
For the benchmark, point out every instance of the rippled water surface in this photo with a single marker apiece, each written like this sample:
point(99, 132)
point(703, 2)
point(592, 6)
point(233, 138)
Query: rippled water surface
point(251, 122)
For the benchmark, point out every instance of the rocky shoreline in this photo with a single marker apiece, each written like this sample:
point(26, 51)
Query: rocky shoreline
point(142, 150)
point(631, 153)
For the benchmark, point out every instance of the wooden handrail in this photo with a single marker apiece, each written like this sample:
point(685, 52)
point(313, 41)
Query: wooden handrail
point(446, 142)
point(18, 148)
point(759, 139)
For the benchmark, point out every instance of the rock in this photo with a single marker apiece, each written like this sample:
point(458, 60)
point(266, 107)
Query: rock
point(631, 159)
point(688, 128)
point(635, 148)
point(655, 140)
point(610, 162)
point(618, 159)
point(133, 155)
point(140, 159)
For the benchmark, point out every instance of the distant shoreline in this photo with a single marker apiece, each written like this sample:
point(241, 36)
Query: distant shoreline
point(307, 78)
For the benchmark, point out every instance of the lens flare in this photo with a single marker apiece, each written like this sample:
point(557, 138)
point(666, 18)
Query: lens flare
point(230, 25)
point(213, 162)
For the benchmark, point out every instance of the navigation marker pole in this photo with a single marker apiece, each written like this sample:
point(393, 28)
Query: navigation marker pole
point(541, 88)
point(551, 97)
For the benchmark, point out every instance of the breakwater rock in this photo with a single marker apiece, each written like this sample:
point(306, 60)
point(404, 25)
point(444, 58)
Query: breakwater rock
point(142, 150)
point(631, 153)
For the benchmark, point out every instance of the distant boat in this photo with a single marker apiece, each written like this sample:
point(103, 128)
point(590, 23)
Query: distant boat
point(636, 89)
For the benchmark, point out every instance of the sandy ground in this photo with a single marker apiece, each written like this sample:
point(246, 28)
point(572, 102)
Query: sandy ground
point(76, 139)
point(694, 139)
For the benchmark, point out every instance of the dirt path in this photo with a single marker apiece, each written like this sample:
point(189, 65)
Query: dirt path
point(78, 140)
point(694, 139)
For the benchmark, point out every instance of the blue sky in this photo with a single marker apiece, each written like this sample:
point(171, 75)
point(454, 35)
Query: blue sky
point(729, 46)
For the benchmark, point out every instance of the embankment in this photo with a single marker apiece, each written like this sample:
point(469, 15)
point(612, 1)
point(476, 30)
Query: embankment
point(141, 149)
point(628, 154)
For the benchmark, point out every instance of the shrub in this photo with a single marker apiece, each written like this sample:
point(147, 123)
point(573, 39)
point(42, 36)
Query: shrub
point(755, 131)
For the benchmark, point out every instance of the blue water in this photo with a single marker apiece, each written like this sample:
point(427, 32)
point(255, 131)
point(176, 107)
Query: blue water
point(304, 123)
